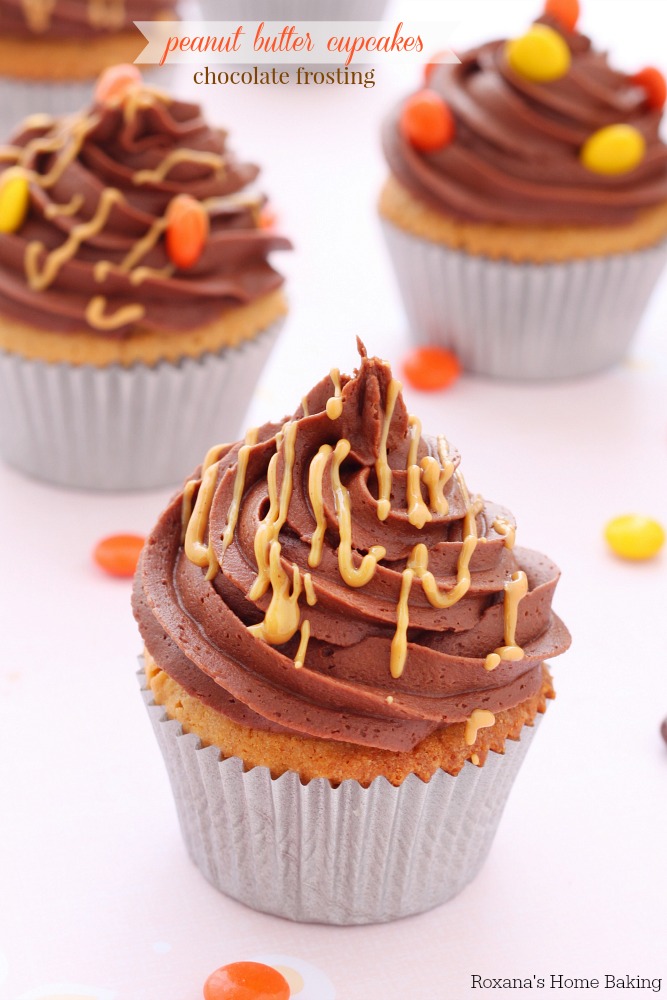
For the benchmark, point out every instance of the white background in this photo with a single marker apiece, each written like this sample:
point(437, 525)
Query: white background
point(97, 896)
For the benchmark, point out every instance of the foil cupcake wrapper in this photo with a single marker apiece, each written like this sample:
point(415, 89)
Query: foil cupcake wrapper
point(118, 428)
point(523, 321)
point(292, 10)
point(21, 98)
point(344, 855)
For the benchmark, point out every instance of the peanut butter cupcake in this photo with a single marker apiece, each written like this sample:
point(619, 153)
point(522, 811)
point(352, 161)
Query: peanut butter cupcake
point(51, 51)
point(344, 658)
point(526, 208)
point(137, 301)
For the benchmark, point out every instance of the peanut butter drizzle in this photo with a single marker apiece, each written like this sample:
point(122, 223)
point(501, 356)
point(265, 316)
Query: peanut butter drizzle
point(37, 14)
point(309, 590)
point(126, 314)
point(239, 485)
point(475, 759)
point(507, 530)
point(283, 615)
point(436, 475)
point(418, 512)
point(382, 470)
point(481, 718)
point(39, 280)
point(354, 576)
point(399, 644)
point(212, 160)
point(267, 533)
point(300, 657)
point(304, 406)
point(516, 589)
point(9, 154)
point(315, 474)
point(334, 406)
point(186, 506)
point(389, 699)
point(53, 211)
point(196, 550)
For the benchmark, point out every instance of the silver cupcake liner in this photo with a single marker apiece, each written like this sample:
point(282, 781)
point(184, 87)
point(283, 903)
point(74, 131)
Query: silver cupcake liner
point(20, 98)
point(523, 321)
point(344, 855)
point(118, 428)
point(292, 10)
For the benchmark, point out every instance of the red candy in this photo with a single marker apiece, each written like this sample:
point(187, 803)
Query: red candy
point(246, 981)
point(566, 12)
point(118, 554)
point(115, 83)
point(187, 230)
point(426, 122)
point(653, 82)
point(430, 368)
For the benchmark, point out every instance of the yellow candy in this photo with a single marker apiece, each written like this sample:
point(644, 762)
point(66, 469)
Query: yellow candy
point(14, 199)
point(615, 149)
point(634, 536)
point(541, 54)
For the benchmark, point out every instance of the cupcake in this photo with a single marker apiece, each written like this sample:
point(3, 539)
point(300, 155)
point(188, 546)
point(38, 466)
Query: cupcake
point(526, 208)
point(137, 301)
point(52, 50)
point(344, 659)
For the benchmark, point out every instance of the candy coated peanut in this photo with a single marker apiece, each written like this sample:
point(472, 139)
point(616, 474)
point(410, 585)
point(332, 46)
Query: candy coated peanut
point(634, 536)
point(540, 55)
point(566, 12)
point(655, 87)
point(615, 149)
point(246, 981)
point(187, 230)
point(426, 122)
point(14, 199)
point(118, 555)
point(115, 83)
point(431, 368)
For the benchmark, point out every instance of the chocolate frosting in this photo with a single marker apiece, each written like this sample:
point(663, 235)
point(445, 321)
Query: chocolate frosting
point(203, 623)
point(77, 18)
point(114, 170)
point(515, 154)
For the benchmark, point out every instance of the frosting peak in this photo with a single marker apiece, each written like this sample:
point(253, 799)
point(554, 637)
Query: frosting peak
point(333, 576)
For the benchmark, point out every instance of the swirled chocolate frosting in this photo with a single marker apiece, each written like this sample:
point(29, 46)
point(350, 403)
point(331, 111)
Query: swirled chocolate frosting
point(515, 154)
point(91, 254)
point(76, 18)
point(332, 576)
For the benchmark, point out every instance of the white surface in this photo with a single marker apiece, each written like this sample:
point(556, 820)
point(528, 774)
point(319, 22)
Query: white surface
point(97, 897)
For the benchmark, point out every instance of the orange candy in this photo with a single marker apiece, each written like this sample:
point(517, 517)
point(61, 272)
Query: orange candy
point(431, 368)
point(246, 981)
point(566, 12)
point(653, 82)
point(118, 555)
point(115, 83)
point(426, 122)
point(267, 218)
point(187, 230)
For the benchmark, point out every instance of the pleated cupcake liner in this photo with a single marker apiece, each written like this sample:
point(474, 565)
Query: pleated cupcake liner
point(292, 10)
point(21, 98)
point(521, 320)
point(333, 855)
point(117, 428)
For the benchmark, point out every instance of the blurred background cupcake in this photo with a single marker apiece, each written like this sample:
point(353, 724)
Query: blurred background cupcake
point(52, 50)
point(526, 208)
point(293, 10)
point(344, 659)
point(137, 301)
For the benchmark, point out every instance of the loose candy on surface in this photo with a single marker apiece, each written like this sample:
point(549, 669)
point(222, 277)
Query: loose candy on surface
point(634, 536)
point(14, 199)
point(566, 12)
point(187, 230)
point(246, 981)
point(118, 555)
point(431, 368)
point(654, 85)
point(614, 149)
point(116, 82)
point(426, 122)
point(540, 55)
